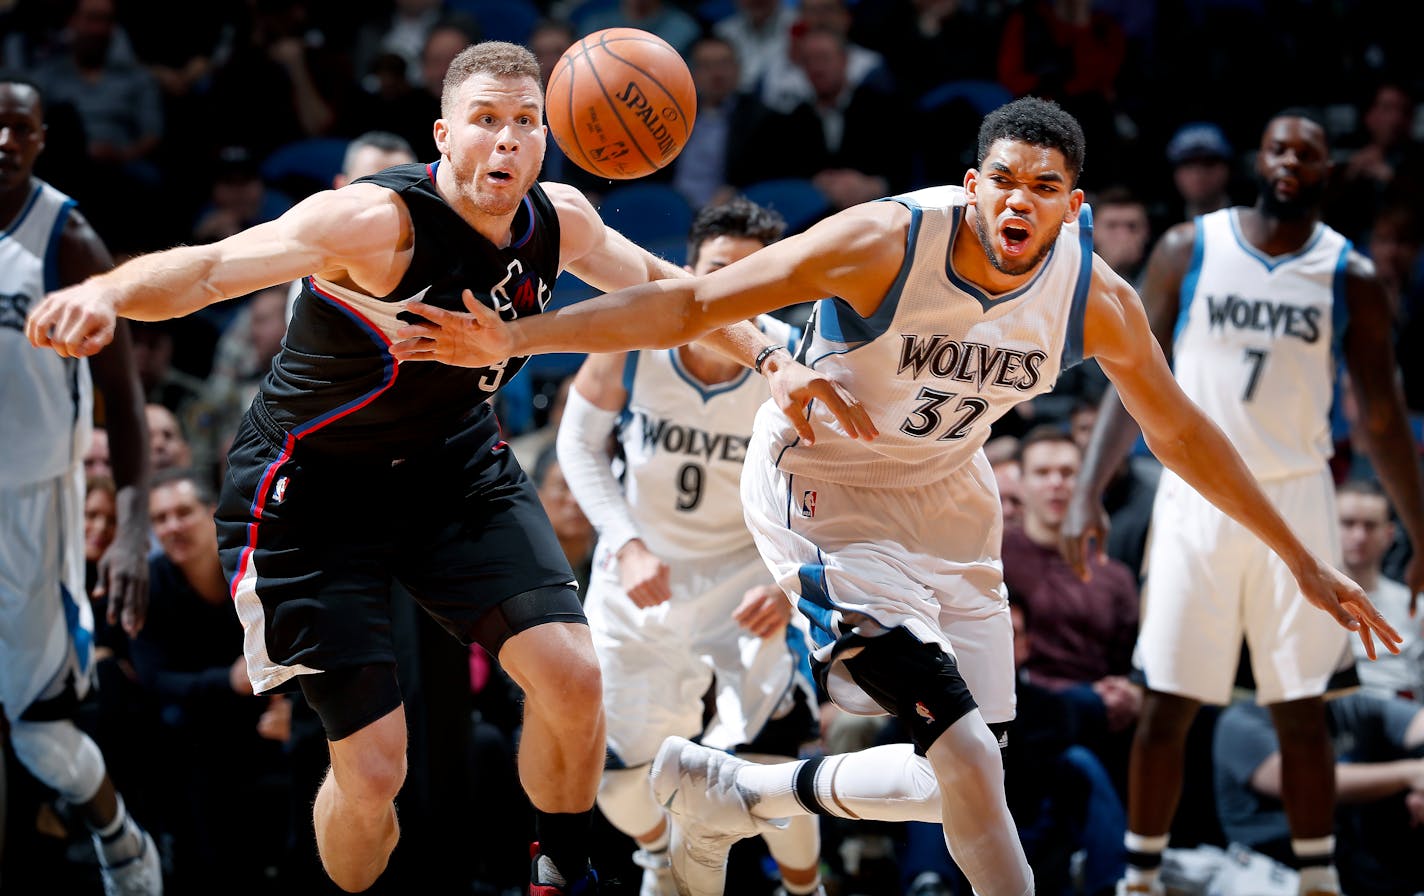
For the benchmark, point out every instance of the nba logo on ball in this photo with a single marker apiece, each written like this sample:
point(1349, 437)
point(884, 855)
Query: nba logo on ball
point(621, 103)
point(808, 503)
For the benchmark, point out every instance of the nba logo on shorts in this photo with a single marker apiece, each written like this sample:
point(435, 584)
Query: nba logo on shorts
point(279, 491)
point(808, 503)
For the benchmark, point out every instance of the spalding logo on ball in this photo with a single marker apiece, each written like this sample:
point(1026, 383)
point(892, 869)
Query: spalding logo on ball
point(621, 103)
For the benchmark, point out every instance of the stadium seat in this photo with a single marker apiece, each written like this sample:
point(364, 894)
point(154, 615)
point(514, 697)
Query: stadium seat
point(508, 20)
point(984, 96)
point(647, 212)
point(305, 166)
point(797, 199)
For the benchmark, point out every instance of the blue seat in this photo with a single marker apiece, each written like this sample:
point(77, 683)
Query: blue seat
point(305, 166)
point(796, 198)
point(647, 212)
point(984, 96)
point(507, 20)
point(579, 15)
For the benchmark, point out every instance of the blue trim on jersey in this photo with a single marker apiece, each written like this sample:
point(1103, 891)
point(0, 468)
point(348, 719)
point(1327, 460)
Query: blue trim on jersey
point(388, 368)
point(630, 372)
point(707, 392)
point(1271, 262)
point(528, 207)
point(1077, 311)
point(1340, 304)
point(83, 638)
point(985, 300)
point(1190, 279)
point(24, 212)
point(800, 655)
point(51, 262)
point(815, 603)
point(837, 321)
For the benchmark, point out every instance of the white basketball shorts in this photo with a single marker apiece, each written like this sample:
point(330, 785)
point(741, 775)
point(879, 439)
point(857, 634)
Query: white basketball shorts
point(1210, 582)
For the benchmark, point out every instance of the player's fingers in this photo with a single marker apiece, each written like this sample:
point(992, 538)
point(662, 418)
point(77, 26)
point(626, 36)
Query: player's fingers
point(479, 310)
point(411, 331)
point(796, 413)
point(416, 349)
point(1367, 641)
point(436, 315)
point(844, 411)
point(863, 424)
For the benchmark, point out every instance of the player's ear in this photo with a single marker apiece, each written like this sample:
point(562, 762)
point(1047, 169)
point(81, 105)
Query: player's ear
point(1075, 202)
point(971, 180)
point(442, 135)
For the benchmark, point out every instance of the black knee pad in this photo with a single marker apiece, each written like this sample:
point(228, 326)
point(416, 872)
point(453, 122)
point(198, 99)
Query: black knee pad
point(917, 683)
point(785, 736)
point(554, 603)
point(349, 698)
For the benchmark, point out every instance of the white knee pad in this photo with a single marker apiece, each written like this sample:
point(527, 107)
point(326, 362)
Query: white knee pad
point(625, 796)
point(60, 756)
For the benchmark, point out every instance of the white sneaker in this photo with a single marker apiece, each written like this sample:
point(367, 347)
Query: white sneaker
point(140, 876)
point(709, 812)
point(657, 873)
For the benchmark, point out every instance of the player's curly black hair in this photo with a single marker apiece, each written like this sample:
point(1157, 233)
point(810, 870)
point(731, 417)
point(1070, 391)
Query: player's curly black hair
point(738, 216)
point(1037, 121)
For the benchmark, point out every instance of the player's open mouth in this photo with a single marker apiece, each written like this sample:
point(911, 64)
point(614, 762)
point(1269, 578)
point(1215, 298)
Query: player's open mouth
point(502, 177)
point(1014, 238)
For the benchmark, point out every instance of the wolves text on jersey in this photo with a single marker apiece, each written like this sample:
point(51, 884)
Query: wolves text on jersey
point(1264, 315)
point(14, 308)
point(689, 440)
point(970, 362)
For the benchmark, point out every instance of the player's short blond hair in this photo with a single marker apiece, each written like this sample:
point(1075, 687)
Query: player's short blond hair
point(491, 57)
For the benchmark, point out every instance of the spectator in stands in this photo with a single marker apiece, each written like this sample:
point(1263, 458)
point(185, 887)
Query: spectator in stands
point(1201, 161)
point(1366, 532)
point(1395, 247)
point(760, 31)
point(400, 31)
point(786, 83)
point(1388, 163)
point(1085, 631)
point(923, 46)
point(1003, 454)
point(1121, 230)
point(163, 383)
point(1379, 779)
point(1128, 497)
point(189, 658)
point(857, 163)
point(96, 458)
point(654, 16)
point(168, 446)
point(239, 198)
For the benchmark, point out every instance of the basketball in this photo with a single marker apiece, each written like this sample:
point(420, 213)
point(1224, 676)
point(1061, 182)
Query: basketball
point(621, 103)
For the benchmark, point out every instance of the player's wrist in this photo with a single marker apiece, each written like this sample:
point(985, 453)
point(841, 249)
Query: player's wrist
point(770, 359)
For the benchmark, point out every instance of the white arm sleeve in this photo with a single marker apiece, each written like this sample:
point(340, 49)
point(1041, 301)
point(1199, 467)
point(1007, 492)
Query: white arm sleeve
point(587, 468)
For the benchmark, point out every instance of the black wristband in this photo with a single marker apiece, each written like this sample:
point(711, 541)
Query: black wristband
point(763, 355)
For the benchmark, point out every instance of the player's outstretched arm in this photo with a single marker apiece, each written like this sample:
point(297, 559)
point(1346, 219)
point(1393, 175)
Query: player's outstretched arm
point(1369, 354)
point(1117, 333)
point(361, 233)
point(1085, 526)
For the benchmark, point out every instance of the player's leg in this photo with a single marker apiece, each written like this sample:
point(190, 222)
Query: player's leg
point(1188, 645)
point(562, 746)
point(354, 812)
point(1297, 656)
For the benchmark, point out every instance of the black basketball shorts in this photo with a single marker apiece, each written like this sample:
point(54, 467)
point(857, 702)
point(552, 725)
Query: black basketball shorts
point(312, 544)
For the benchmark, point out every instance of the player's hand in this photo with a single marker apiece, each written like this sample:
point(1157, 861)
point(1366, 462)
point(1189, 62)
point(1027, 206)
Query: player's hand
point(1330, 590)
point(794, 386)
point(275, 723)
point(76, 322)
point(1122, 700)
point(237, 677)
point(123, 580)
point(476, 338)
point(764, 611)
point(1083, 538)
point(645, 578)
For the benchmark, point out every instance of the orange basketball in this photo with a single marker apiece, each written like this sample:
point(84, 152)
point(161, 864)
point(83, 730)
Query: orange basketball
point(621, 103)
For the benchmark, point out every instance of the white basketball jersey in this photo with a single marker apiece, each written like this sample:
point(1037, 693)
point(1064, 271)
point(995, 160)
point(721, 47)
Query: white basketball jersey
point(45, 399)
point(1256, 341)
point(940, 360)
point(683, 445)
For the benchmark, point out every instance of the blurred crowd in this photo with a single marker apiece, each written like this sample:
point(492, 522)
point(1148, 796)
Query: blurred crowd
point(259, 103)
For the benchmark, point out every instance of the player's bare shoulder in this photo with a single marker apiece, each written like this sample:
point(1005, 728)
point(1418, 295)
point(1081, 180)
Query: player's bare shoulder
point(363, 233)
point(580, 227)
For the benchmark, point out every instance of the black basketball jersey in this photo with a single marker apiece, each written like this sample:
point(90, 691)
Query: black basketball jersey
point(335, 387)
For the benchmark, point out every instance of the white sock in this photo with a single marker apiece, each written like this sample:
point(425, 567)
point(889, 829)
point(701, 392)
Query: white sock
point(119, 840)
point(1144, 859)
point(1316, 860)
point(886, 783)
